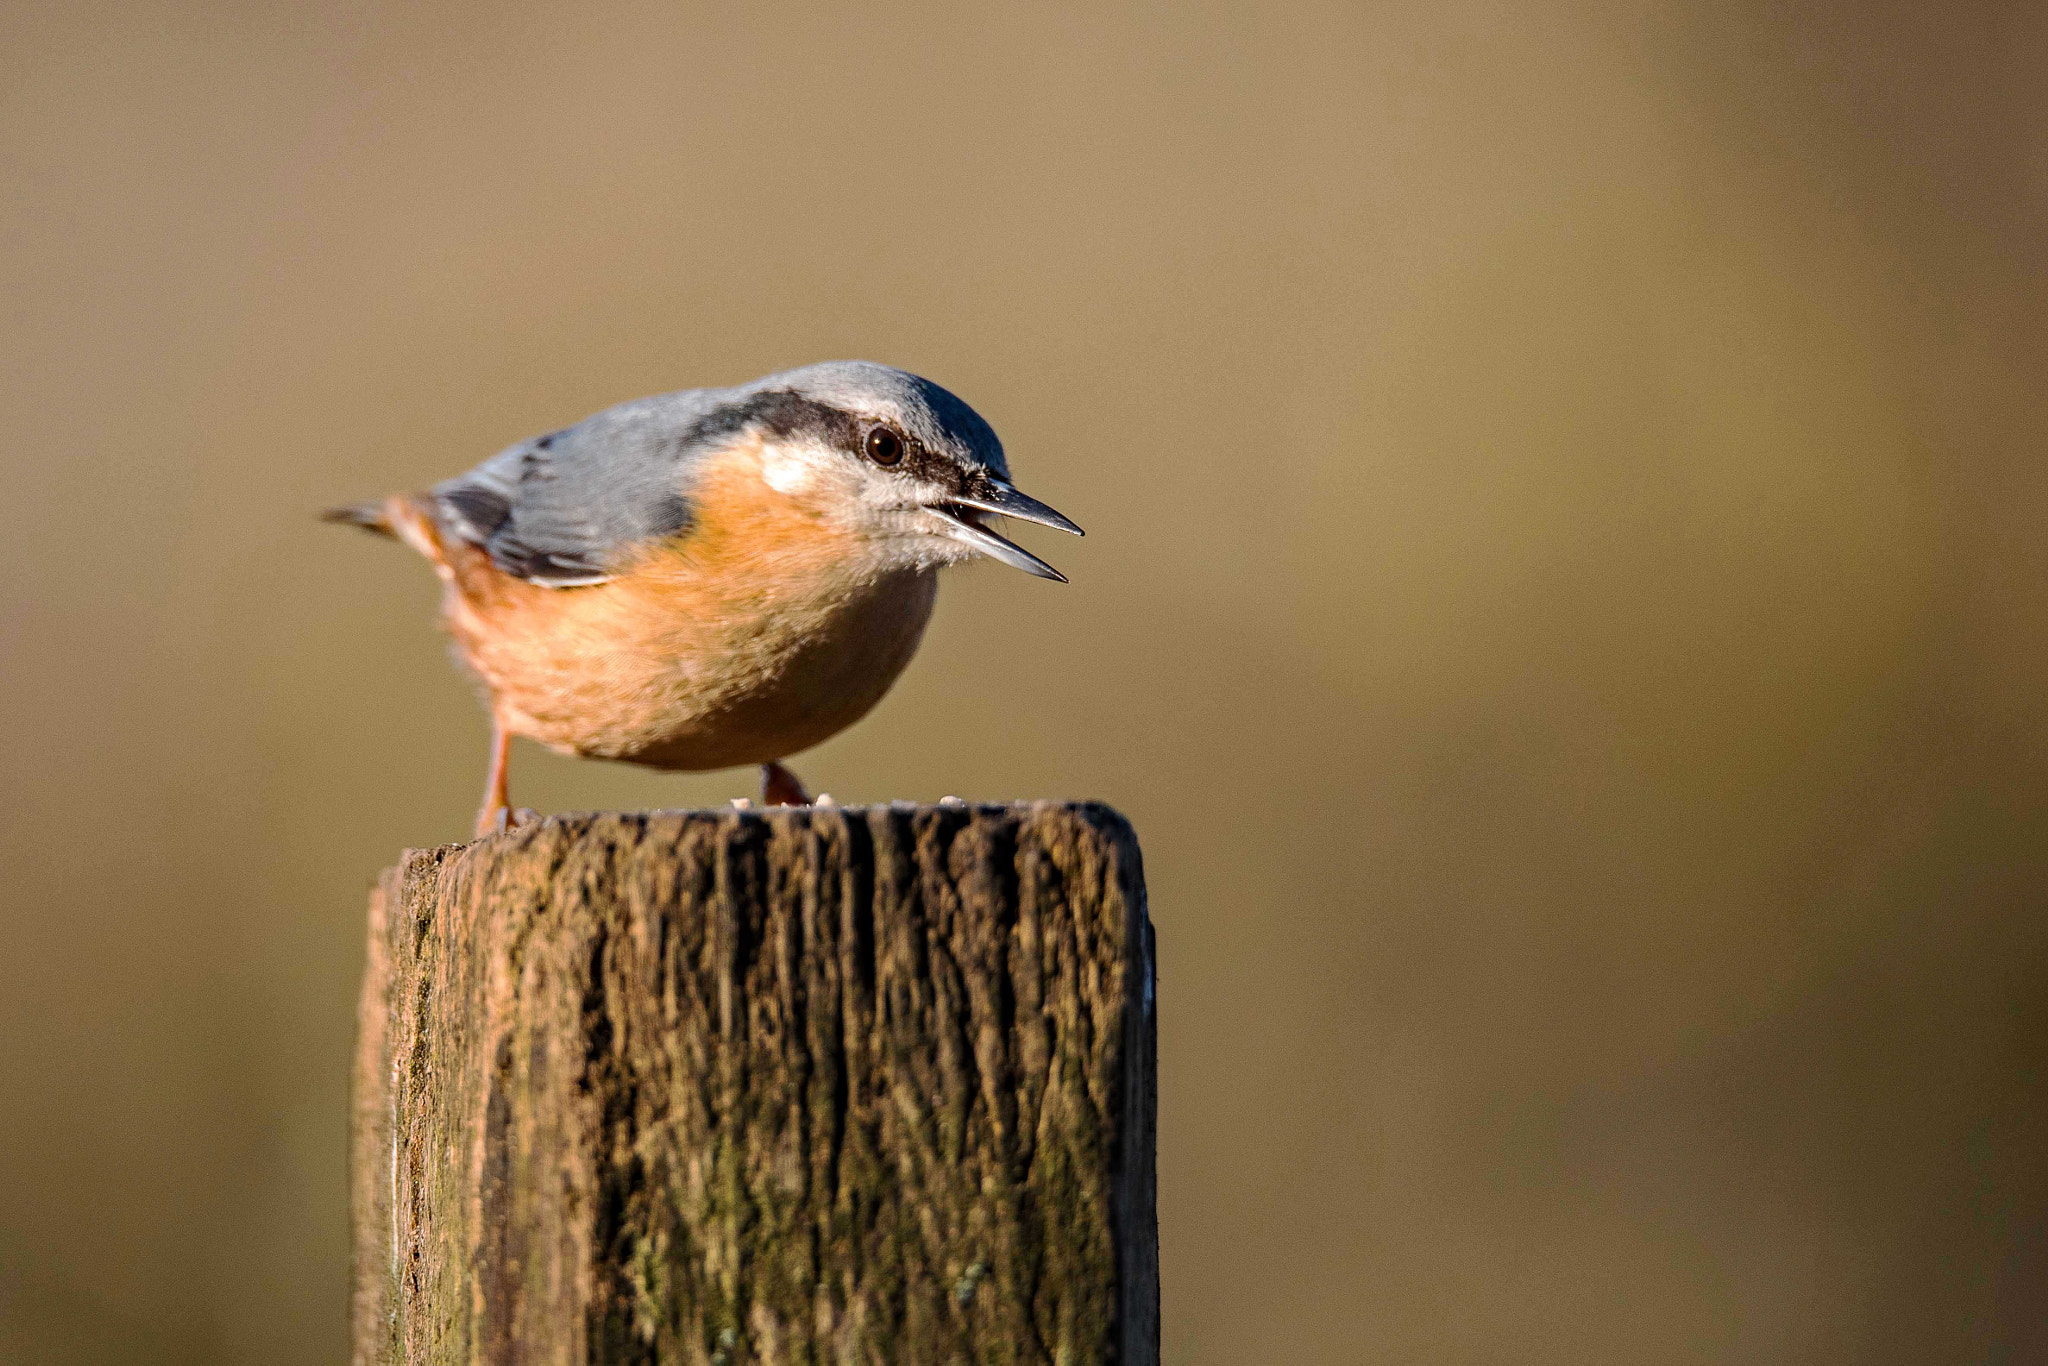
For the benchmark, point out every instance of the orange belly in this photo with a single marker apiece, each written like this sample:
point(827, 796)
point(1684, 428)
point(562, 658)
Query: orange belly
point(681, 681)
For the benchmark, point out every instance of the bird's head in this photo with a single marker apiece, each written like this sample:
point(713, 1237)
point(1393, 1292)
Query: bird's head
point(894, 458)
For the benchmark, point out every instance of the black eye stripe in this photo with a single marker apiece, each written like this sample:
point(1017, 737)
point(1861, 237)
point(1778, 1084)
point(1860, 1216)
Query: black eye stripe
point(779, 412)
point(784, 414)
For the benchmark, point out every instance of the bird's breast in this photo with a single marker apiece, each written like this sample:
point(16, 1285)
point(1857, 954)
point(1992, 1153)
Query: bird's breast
point(763, 630)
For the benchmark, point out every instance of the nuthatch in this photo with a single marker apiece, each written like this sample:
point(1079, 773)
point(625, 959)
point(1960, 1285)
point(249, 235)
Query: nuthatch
point(715, 577)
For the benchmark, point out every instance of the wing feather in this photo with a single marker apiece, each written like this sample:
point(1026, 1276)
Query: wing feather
point(562, 510)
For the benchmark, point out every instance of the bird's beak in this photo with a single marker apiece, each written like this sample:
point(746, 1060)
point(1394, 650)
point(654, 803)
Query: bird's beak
point(1007, 502)
point(965, 515)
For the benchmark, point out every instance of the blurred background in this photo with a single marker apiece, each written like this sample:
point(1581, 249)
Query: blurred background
point(1566, 606)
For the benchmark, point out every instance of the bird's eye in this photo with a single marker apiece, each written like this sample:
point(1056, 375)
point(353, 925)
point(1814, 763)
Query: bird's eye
point(884, 447)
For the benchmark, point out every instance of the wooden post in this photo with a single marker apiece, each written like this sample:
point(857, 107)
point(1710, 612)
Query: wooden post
point(807, 1085)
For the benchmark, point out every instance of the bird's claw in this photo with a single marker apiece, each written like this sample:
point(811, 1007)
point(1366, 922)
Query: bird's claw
point(505, 818)
point(780, 787)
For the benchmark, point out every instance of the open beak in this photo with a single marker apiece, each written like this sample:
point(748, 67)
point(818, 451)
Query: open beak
point(966, 515)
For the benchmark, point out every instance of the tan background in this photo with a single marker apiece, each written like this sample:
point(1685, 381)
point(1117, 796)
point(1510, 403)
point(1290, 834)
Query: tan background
point(1566, 606)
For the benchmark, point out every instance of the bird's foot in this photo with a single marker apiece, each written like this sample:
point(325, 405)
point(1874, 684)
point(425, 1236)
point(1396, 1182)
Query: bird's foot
point(780, 787)
point(496, 820)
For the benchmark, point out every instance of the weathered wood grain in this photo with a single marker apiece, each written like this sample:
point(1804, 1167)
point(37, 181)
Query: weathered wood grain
point(812, 1085)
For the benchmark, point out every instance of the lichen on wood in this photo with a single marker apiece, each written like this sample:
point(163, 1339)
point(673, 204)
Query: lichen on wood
point(809, 1085)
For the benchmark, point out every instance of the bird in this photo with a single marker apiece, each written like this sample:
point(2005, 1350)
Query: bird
point(711, 578)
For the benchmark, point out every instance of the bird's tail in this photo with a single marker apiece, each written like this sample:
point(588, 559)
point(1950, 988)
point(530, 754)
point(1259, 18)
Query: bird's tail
point(403, 517)
point(368, 516)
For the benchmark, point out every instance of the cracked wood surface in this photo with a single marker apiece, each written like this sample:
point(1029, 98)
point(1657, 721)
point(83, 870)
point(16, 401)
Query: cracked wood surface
point(819, 1085)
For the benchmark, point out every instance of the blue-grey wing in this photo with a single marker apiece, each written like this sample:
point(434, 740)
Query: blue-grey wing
point(563, 510)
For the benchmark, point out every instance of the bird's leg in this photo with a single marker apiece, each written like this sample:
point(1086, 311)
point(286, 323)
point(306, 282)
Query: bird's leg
point(780, 787)
point(496, 814)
